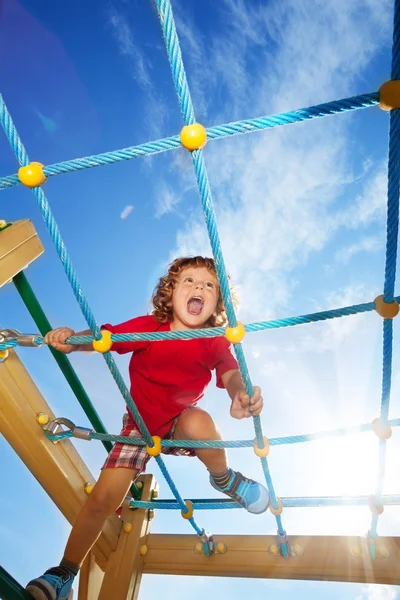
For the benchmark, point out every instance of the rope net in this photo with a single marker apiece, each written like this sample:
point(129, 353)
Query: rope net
point(240, 127)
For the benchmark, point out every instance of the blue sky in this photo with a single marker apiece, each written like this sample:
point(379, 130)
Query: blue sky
point(301, 212)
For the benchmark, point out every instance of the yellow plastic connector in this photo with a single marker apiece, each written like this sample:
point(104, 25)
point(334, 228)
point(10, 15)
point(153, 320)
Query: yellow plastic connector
point(389, 95)
point(88, 488)
point(385, 309)
point(127, 527)
point(221, 548)
point(3, 355)
point(276, 511)
point(32, 175)
point(193, 137)
point(382, 434)
point(156, 449)
point(143, 550)
point(382, 551)
point(235, 335)
point(298, 550)
point(356, 551)
point(261, 452)
point(104, 344)
point(154, 494)
point(139, 485)
point(376, 510)
point(3, 224)
point(198, 547)
point(150, 514)
point(189, 513)
point(42, 418)
point(274, 550)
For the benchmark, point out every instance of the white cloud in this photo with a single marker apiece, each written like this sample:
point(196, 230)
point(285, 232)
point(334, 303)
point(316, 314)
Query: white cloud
point(367, 244)
point(154, 109)
point(124, 37)
point(126, 212)
point(378, 592)
point(276, 193)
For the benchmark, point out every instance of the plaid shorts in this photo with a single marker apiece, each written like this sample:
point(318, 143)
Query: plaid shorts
point(128, 456)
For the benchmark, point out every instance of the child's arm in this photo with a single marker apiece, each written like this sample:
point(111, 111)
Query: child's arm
point(242, 407)
point(57, 337)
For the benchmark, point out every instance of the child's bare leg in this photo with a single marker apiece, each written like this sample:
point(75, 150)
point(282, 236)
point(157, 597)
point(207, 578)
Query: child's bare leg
point(106, 496)
point(196, 424)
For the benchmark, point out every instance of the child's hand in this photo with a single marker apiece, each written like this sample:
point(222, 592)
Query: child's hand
point(242, 407)
point(57, 337)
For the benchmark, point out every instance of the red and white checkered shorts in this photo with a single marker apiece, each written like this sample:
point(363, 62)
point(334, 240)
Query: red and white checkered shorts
point(128, 456)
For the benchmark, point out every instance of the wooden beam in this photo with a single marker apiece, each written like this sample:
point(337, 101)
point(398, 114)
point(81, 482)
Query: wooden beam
point(57, 467)
point(324, 558)
point(19, 246)
point(125, 566)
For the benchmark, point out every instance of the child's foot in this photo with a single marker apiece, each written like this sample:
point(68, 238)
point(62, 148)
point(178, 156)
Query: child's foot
point(55, 584)
point(253, 496)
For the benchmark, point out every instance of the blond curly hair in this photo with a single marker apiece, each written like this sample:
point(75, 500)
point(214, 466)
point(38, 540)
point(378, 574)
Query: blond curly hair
point(162, 295)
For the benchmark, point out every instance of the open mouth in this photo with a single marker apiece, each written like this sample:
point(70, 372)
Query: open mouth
point(195, 305)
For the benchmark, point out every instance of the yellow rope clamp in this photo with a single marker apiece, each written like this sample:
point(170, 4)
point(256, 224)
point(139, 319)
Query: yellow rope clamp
point(32, 175)
point(235, 335)
point(276, 511)
point(382, 434)
point(385, 309)
point(193, 137)
point(389, 95)
point(189, 513)
point(104, 344)
point(156, 449)
point(261, 452)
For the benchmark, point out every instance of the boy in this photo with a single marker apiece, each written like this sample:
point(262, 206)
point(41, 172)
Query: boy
point(167, 378)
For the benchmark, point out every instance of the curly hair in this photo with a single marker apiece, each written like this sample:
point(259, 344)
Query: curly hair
point(162, 295)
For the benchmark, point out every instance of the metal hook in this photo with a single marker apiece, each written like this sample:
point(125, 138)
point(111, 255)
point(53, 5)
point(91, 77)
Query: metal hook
point(54, 427)
point(22, 339)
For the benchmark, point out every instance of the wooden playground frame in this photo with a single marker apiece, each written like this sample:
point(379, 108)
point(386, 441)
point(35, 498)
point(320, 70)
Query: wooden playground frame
point(126, 549)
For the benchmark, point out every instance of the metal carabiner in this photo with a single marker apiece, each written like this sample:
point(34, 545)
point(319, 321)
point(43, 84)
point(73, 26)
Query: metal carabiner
point(54, 428)
point(22, 339)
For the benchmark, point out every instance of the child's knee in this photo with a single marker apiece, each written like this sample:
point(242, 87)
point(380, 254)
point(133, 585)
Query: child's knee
point(196, 423)
point(102, 501)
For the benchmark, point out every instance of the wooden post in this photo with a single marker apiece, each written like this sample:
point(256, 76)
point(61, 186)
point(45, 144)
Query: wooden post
point(330, 558)
point(19, 246)
point(90, 579)
point(57, 467)
point(125, 566)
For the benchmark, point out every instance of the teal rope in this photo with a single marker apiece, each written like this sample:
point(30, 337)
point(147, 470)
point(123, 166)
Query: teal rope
point(216, 331)
point(43, 204)
point(278, 441)
point(213, 133)
point(296, 502)
point(182, 89)
point(392, 227)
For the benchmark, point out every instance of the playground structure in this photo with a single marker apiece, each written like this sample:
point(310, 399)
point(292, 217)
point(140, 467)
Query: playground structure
point(126, 549)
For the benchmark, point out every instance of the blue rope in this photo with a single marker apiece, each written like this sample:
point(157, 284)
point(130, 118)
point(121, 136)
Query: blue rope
point(296, 502)
point(215, 331)
point(55, 235)
point(185, 102)
point(390, 265)
point(236, 128)
point(213, 133)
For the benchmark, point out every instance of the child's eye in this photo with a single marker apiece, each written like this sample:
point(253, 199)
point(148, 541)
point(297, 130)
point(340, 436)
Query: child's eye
point(189, 279)
point(210, 285)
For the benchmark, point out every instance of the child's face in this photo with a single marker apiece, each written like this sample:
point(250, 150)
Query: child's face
point(194, 298)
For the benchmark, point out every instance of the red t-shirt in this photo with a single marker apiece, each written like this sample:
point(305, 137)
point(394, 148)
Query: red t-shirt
point(170, 375)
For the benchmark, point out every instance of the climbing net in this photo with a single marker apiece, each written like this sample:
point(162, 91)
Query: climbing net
point(193, 137)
